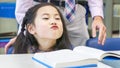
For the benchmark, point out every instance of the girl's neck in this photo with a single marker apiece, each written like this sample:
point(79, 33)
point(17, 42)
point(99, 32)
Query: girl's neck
point(46, 44)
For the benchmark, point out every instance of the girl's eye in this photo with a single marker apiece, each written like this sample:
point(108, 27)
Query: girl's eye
point(45, 18)
point(57, 18)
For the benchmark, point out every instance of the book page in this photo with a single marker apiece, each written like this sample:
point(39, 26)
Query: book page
point(89, 51)
point(60, 55)
point(112, 54)
point(115, 51)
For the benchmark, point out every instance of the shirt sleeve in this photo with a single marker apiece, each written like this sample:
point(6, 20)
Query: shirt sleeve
point(96, 7)
point(21, 7)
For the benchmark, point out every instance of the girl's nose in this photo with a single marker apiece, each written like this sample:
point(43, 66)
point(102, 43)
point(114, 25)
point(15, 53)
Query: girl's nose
point(53, 23)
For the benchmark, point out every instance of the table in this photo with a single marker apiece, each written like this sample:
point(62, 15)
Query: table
point(22, 61)
point(18, 61)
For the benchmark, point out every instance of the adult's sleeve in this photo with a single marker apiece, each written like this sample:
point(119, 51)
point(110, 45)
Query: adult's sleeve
point(21, 7)
point(96, 8)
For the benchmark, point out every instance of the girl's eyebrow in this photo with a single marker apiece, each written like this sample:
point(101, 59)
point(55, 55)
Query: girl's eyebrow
point(45, 14)
point(56, 14)
point(48, 14)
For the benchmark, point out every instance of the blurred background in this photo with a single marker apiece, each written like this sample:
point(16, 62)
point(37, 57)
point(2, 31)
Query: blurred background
point(9, 26)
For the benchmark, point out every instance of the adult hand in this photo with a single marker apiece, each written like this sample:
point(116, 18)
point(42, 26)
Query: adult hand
point(98, 25)
point(9, 44)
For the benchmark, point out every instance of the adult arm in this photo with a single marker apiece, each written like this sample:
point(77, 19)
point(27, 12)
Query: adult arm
point(96, 9)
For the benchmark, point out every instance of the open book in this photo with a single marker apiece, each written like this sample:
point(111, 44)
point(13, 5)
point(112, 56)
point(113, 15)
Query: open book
point(79, 56)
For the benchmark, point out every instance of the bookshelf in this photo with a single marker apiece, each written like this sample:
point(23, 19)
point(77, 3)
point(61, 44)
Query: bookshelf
point(8, 23)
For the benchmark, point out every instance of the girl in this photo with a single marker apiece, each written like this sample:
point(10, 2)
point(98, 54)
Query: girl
point(43, 29)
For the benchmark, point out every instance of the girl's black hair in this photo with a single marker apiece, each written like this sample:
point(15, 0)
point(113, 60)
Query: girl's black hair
point(26, 42)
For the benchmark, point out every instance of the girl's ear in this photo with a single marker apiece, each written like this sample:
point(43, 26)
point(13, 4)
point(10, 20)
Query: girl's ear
point(31, 28)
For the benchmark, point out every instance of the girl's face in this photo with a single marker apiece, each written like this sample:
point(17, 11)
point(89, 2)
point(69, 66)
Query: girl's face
point(48, 24)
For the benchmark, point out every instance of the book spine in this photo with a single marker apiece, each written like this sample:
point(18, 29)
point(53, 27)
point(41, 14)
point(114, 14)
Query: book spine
point(48, 66)
point(4, 40)
point(2, 44)
point(5, 7)
point(85, 66)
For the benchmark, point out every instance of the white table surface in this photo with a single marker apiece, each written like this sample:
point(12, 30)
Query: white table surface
point(18, 61)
